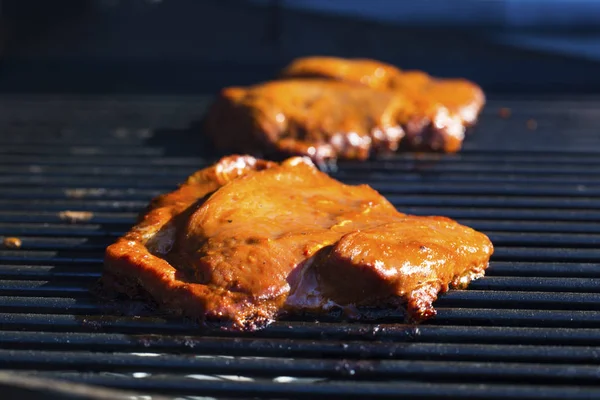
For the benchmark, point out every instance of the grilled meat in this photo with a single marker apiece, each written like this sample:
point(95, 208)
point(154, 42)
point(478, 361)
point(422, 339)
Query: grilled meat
point(459, 96)
point(248, 240)
point(326, 119)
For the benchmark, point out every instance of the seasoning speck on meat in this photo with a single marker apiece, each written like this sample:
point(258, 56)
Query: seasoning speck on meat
point(246, 241)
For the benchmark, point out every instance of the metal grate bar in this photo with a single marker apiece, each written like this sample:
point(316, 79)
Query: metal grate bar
point(329, 349)
point(335, 389)
point(361, 369)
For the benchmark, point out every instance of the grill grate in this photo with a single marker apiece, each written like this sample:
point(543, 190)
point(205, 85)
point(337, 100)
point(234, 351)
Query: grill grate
point(529, 329)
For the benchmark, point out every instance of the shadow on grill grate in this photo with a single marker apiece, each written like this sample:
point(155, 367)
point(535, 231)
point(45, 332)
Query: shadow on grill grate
point(529, 329)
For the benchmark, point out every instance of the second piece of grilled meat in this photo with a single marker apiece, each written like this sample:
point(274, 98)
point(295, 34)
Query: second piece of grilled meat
point(327, 119)
point(459, 96)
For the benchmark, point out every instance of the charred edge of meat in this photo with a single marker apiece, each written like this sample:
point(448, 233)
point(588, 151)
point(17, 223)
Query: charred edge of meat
point(124, 295)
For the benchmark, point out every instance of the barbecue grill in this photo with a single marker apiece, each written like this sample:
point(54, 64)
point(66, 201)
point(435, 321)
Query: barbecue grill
point(76, 170)
point(529, 329)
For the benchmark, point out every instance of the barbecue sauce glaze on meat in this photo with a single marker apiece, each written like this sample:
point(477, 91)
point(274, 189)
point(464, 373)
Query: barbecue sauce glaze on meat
point(247, 240)
point(329, 108)
point(460, 96)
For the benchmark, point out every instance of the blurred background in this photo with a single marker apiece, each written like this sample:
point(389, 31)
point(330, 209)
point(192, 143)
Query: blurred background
point(199, 46)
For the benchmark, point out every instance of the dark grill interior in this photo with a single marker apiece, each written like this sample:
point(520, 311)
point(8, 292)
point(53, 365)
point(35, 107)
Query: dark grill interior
point(529, 329)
